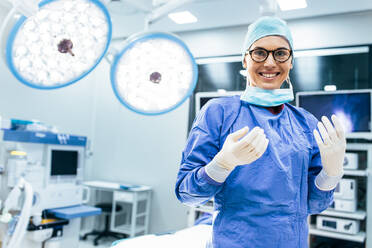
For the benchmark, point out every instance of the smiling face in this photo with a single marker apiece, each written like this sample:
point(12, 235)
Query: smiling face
point(269, 74)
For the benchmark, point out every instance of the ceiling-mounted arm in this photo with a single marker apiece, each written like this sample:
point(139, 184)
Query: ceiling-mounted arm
point(268, 7)
point(15, 8)
point(138, 5)
point(163, 10)
point(26, 7)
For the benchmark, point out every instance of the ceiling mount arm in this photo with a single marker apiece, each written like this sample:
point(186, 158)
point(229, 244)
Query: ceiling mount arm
point(138, 5)
point(268, 7)
point(26, 7)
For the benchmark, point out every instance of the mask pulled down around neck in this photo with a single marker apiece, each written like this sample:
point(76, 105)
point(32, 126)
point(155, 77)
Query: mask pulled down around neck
point(267, 98)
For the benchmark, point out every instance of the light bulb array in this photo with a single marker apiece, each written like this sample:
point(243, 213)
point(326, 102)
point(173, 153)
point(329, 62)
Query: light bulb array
point(60, 44)
point(154, 73)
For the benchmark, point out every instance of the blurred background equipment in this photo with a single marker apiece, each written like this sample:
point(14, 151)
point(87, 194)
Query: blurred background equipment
point(52, 164)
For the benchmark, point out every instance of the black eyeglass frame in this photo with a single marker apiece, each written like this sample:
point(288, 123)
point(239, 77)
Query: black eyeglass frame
point(268, 53)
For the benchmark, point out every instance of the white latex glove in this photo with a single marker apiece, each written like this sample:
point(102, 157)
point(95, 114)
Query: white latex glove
point(239, 151)
point(332, 147)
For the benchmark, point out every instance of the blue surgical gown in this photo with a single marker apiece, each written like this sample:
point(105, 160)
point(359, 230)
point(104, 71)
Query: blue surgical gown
point(264, 204)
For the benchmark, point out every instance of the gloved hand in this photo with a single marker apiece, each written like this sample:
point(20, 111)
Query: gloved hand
point(332, 147)
point(239, 151)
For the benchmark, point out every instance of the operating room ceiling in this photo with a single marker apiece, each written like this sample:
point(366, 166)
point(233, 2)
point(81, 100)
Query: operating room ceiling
point(128, 15)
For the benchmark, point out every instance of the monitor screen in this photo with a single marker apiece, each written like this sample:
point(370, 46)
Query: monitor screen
point(205, 99)
point(222, 75)
point(352, 107)
point(201, 98)
point(64, 163)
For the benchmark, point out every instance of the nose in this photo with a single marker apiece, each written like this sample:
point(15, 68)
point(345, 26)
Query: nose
point(270, 61)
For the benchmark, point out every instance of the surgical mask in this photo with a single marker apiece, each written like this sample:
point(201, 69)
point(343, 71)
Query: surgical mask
point(267, 98)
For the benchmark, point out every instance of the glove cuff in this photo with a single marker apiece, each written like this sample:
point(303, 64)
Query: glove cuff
point(217, 172)
point(325, 182)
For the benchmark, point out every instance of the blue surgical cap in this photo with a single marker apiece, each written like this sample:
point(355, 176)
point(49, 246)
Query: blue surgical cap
point(266, 26)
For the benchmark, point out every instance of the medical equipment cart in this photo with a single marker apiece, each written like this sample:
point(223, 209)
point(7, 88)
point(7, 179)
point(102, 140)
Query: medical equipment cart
point(135, 204)
point(363, 175)
point(137, 222)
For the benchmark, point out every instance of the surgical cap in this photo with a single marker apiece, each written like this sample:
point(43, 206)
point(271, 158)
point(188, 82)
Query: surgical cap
point(266, 26)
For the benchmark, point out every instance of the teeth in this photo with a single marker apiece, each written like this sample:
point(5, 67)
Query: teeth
point(268, 75)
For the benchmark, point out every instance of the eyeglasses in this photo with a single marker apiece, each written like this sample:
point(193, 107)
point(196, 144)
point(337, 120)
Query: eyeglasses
point(280, 55)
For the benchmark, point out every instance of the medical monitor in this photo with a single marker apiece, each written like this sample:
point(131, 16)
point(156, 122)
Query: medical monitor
point(201, 98)
point(353, 107)
point(64, 163)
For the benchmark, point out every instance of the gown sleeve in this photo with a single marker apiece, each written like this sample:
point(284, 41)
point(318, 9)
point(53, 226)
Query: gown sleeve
point(193, 185)
point(318, 200)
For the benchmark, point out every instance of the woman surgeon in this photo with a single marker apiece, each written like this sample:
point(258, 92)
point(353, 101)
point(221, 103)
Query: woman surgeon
point(267, 164)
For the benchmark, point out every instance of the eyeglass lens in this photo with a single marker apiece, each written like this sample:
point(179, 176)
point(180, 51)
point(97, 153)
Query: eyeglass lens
point(260, 54)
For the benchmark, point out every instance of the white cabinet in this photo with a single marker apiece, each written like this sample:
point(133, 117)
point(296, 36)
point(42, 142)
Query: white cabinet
point(133, 216)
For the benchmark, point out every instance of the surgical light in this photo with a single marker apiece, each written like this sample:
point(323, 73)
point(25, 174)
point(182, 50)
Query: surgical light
point(60, 44)
point(154, 73)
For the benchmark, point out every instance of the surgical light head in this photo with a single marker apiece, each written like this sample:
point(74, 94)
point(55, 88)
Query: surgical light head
point(60, 44)
point(266, 26)
point(154, 73)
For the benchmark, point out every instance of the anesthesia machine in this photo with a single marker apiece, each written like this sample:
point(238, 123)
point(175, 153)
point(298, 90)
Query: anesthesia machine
point(52, 165)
